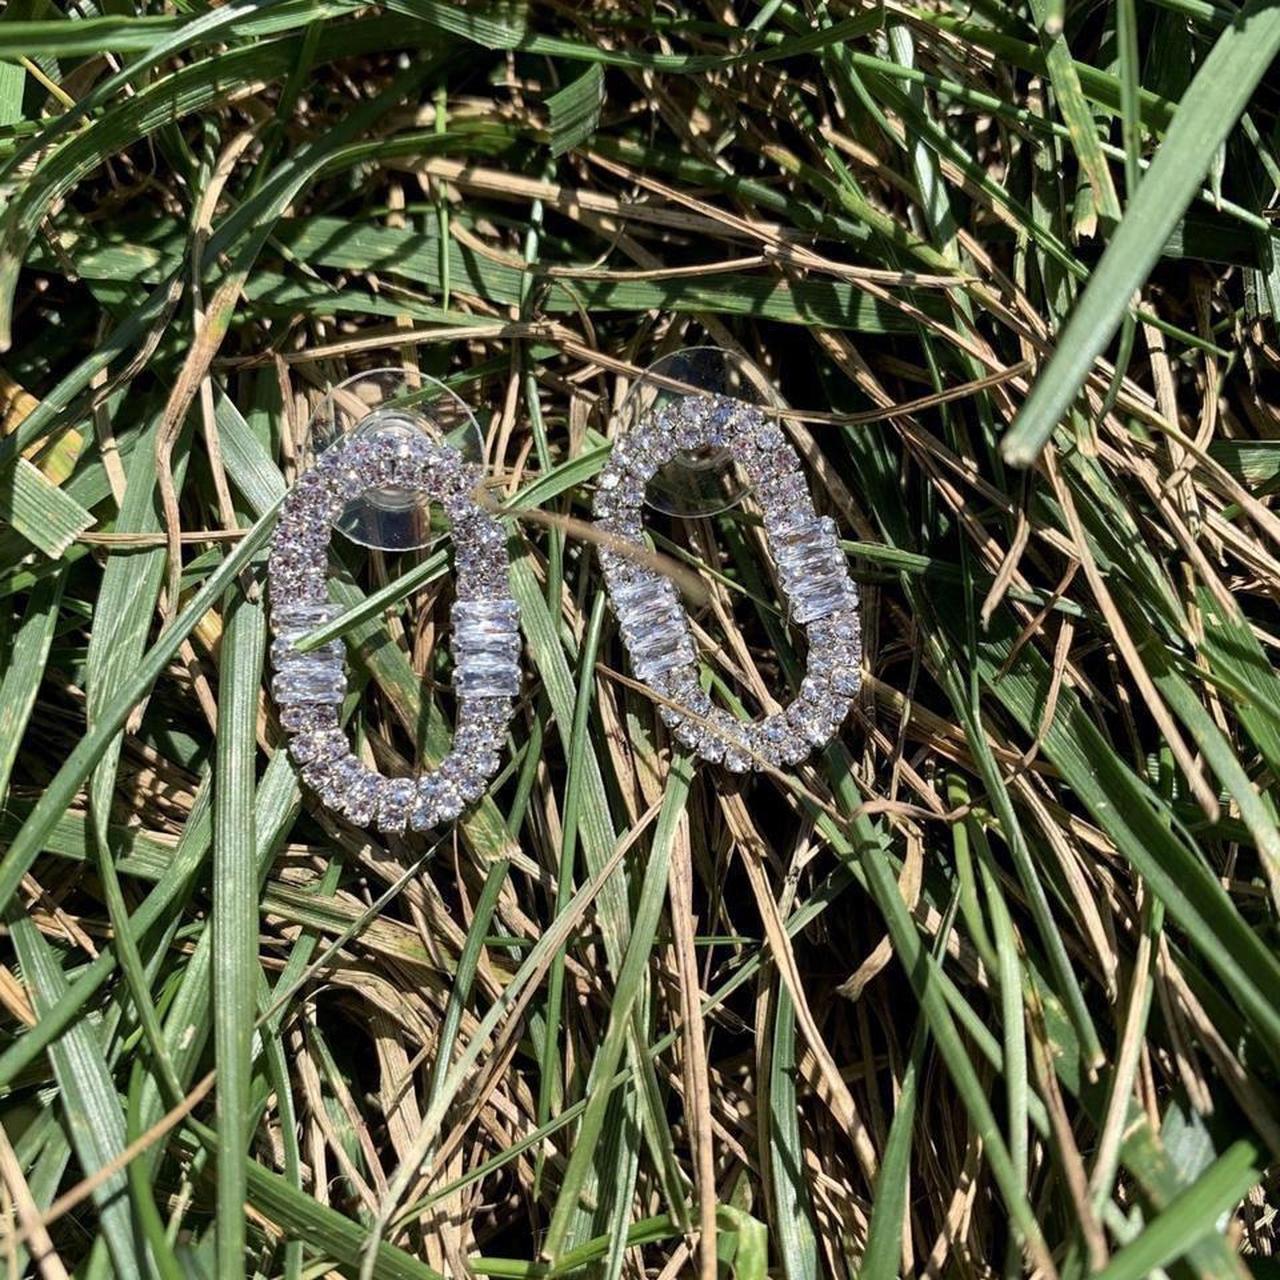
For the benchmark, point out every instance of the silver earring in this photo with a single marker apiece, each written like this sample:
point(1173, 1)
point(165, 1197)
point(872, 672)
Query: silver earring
point(812, 574)
point(310, 687)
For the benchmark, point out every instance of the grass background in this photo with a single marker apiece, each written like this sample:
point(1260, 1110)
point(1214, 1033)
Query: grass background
point(991, 986)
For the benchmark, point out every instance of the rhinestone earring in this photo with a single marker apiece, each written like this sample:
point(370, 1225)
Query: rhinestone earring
point(812, 574)
point(310, 687)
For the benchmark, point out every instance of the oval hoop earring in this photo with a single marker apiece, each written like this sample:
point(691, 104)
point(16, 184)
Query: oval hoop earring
point(310, 687)
point(812, 573)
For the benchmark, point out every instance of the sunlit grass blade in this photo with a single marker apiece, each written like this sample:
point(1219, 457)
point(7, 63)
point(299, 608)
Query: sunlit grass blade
point(39, 510)
point(235, 906)
point(1207, 113)
point(793, 1216)
point(1192, 1214)
point(1076, 113)
point(90, 1105)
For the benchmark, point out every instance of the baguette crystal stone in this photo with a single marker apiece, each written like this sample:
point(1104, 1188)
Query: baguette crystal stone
point(311, 686)
point(487, 643)
point(812, 576)
point(304, 679)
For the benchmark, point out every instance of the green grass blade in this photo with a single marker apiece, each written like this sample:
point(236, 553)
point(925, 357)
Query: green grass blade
point(1246, 674)
point(91, 1107)
point(468, 963)
point(550, 1083)
point(1205, 116)
point(144, 33)
point(1076, 113)
point(235, 908)
point(44, 514)
point(28, 653)
point(127, 600)
point(575, 110)
point(796, 1233)
point(164, 1262)
point(1189, 1216)
point(883, 1255)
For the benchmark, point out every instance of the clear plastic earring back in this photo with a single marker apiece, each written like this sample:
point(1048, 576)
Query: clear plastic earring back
point(393, 403)
point(697, 482)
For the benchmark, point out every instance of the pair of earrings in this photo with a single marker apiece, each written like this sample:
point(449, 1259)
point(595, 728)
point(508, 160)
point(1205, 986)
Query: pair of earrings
point(310, 687)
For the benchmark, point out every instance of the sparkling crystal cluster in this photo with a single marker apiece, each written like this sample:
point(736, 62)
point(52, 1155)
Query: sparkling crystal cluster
point(310, 687)
point(812, 575)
